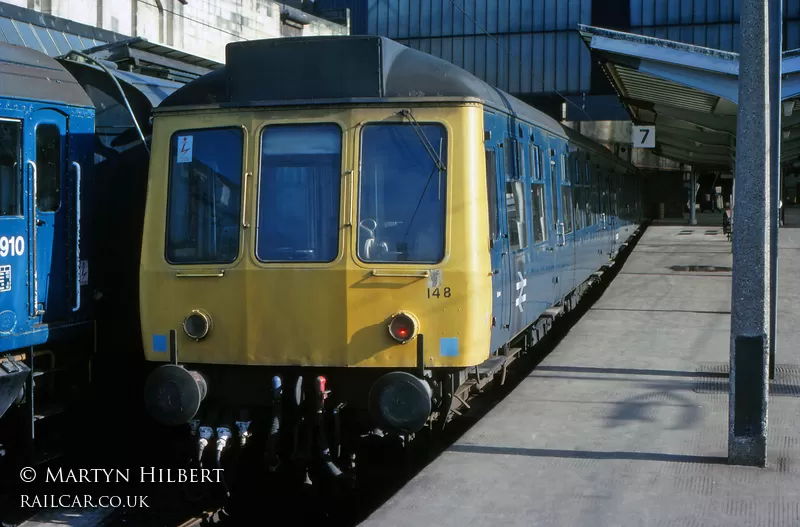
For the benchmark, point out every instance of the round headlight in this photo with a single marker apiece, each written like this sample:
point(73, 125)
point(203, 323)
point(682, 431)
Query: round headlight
point(403, 327)
point(197, 324)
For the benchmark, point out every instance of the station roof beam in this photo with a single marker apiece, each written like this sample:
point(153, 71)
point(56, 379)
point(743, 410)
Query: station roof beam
point(690, 93)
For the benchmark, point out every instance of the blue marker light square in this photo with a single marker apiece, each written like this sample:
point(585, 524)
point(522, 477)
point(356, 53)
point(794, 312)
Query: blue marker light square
point(160, 343)
point(448, 347)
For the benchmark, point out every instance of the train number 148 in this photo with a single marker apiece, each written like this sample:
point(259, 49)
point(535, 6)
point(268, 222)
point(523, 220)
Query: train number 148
point(439, 292)
point(14, 245)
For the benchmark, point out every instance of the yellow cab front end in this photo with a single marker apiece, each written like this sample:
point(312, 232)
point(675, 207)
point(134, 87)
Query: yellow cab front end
point(318, 240)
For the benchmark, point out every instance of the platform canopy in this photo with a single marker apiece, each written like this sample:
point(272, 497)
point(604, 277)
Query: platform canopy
point(689, 93)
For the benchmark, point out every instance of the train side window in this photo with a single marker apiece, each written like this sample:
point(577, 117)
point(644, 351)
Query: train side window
point(509, 159)
point(602, 193)
point(589, 197)
point(521, 164)
point(566, 199)
point(491, 194)
point(48, 167)
point(204, 196)
point(10, 168)
point(536, 163)
point(577, 191)
point(539, 213)
point(577, 195)
point(515, 206)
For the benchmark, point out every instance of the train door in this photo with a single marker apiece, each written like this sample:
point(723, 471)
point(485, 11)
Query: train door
point(14, 229)
point(46, 160)
point(517, 208)
point(568, 227)
point(498, 239)
point(561, 260)
point(540, 279)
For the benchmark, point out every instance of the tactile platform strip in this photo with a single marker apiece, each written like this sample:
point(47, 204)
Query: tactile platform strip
point(713, 379)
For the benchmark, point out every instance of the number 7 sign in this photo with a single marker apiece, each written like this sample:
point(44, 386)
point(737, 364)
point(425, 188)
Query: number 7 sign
point(644, 136)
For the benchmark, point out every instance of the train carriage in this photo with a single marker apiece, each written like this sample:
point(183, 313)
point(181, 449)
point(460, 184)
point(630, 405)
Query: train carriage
point(373, 218)
point(47, 128)
point(73, 166)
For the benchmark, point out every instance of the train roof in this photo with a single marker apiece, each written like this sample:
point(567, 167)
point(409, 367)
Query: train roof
point(579, 139)
point(29, 74)
point(337, 69)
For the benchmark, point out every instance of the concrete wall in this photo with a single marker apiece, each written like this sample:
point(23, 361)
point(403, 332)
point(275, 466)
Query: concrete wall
point(201, 27)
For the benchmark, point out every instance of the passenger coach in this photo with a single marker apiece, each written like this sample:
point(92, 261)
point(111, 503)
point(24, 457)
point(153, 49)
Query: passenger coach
point(371, 216)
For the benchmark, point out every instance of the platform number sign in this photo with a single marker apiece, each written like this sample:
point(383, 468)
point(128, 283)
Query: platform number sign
point(644, 136)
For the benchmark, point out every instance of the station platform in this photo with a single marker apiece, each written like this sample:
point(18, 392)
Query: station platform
point(626, 421)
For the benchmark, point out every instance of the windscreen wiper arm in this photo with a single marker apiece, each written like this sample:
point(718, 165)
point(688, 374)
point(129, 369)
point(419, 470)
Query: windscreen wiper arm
point(424, 139)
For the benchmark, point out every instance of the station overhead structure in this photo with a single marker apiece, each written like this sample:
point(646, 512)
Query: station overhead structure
point(689, 94)
point(128, 57)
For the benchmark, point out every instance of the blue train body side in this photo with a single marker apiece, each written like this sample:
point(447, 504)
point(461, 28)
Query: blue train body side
point(591, 205)
point(44, 248)
point(72, 186)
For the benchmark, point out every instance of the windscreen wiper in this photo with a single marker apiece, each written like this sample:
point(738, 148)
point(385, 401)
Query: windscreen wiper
point(424, 139)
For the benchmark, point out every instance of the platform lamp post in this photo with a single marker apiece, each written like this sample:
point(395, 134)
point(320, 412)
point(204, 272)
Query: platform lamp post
point(750, 298)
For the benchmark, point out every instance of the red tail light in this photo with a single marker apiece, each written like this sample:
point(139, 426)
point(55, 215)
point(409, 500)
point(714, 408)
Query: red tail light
point(403, 327)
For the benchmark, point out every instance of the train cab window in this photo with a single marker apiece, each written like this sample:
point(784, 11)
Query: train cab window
point(539, 213)
point(491, 194)
point(299, 193)
point(204, 196)
point(48, 167)
point(402, 191)
point(515, 206)
point(10, 168)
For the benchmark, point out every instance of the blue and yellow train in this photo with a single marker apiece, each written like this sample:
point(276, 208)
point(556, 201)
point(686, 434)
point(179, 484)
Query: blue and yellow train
point(347, 229)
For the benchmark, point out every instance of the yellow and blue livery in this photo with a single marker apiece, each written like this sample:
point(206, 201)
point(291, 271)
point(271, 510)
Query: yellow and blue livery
point(359, 211)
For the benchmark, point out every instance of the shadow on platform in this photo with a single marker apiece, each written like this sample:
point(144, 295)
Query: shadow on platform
point(588, 454)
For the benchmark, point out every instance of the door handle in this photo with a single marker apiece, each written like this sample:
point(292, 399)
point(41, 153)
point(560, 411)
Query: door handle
point(35, 311)
point(77, 305)
point(39, 223)
point(245, 223)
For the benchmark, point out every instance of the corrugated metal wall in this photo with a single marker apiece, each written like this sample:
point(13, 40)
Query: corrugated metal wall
point(532, 46)
point(710, 23)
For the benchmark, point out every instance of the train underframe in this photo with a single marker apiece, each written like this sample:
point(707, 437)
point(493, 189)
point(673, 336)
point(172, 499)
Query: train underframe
point(312, 423)
point(43, 389)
